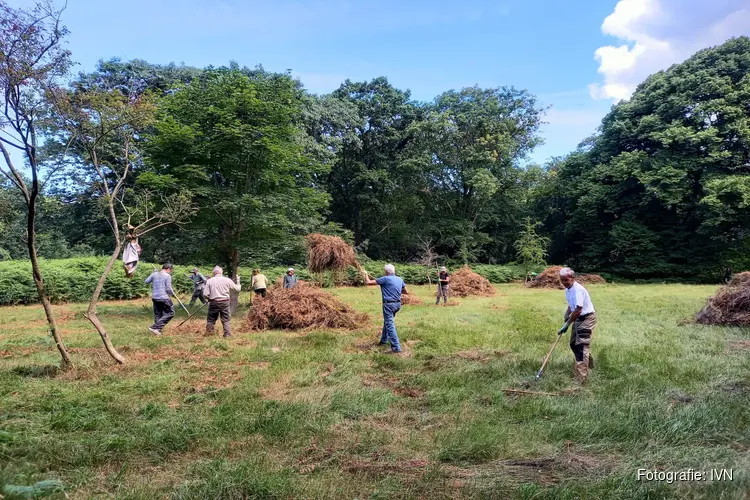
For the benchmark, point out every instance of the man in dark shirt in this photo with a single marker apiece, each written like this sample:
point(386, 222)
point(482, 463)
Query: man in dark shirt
point(199, 282)
point(391, 287)
point(443, 280)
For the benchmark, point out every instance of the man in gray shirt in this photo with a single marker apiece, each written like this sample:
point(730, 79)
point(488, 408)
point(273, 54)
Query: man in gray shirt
point(217, 292)
point(198, 282)
point(161, 291)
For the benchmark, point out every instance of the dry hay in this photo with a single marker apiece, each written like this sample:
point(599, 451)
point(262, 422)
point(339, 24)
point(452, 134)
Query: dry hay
point(410, 300)
point(740, 279)
point(302, 308)
point(550, 278)
point(328, 253)
point(466, 282)
point(730, 306)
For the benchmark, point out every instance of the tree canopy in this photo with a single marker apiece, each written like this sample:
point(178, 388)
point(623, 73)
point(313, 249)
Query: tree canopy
point(661, 190)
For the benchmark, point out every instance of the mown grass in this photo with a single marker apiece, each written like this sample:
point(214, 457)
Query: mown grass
point(328, 415)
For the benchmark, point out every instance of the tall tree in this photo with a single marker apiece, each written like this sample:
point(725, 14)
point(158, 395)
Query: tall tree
point(472, 143)
point(662, 191)
point(102, 126)
point(374, 189)
point(233, 141)
point(31, 60)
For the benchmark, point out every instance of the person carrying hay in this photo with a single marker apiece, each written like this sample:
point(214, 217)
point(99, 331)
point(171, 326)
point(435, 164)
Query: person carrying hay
point(290, 280)
point(391, 287)
point(259, 283)
point(442, 291)
point(199, 281)
point(582, 316)
point(217, 292)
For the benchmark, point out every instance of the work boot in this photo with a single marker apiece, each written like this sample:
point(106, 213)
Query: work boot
point(209, 332)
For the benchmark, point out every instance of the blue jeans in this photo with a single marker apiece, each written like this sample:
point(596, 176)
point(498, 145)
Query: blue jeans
point(389, 326)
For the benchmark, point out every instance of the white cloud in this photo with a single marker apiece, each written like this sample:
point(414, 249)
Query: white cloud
point(659, 33)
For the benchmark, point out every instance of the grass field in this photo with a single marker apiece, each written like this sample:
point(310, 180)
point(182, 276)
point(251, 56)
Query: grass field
point(328, 415)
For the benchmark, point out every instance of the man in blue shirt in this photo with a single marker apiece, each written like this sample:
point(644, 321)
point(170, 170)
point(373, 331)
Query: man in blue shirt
point(161, 291)
point(391, 286)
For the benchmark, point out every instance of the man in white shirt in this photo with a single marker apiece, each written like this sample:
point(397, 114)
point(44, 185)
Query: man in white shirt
point(582, 316)
point(216, 290)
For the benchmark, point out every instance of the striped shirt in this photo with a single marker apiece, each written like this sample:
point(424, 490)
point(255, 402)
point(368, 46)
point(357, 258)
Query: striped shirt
point(161, 285)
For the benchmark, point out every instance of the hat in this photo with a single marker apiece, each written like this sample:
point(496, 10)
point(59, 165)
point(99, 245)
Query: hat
point(443, 268)
point(290, 269)
point(195, 270)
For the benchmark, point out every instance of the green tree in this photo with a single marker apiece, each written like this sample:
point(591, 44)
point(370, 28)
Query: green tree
point(102, 127)
point(531, 248)
point(234, 142)
point(471, 144)
point(661, 191)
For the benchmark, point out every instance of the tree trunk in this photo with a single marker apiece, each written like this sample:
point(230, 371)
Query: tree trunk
point(39, 282)
point(91, 311)
point(234, 297)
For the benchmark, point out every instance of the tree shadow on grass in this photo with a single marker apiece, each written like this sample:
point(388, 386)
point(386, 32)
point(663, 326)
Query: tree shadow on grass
point(37, 371)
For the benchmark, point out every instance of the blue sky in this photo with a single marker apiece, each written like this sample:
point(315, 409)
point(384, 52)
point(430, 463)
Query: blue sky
point(578, 56)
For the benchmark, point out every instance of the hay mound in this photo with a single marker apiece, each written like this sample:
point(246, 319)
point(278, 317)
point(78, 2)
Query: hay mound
point(740, 279)
point(302, 308)
point(591, 279)
point(730, 306)
point(465, 283)
point(410, 300)
point(328, 253)
point(550, 278)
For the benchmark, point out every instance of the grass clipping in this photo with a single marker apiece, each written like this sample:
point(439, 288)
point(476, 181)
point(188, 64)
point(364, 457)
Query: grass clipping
point(550, 278)
point(329, 253)
point(465, 283)
point(731, 304)
point(302, 308)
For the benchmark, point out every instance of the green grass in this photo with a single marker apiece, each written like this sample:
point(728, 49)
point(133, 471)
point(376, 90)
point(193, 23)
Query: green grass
point(328, 415)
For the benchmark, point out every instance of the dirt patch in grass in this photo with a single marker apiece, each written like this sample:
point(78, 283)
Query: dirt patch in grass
point(544, 471)
point(394, 384)
point(738, 345)
point(363, 346)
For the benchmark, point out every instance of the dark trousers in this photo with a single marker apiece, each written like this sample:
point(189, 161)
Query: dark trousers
point(261, 292)
point(197, 294)
point(163, 313)
point(216, 309)
point(442, 291)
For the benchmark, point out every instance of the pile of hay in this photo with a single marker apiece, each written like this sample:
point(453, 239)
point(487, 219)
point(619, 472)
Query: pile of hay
point(550, 278)
point(465, 282)
point(730, 306)
point(410, 300)
point(302, 308)
point(329, 253)
point(740, 279)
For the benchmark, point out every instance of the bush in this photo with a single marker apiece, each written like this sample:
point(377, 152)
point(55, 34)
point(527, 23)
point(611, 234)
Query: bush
point(73, 280)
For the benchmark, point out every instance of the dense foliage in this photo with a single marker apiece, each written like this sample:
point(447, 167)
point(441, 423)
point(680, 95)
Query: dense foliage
point(73, 280)
point(661, 191)
point(664, 189)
